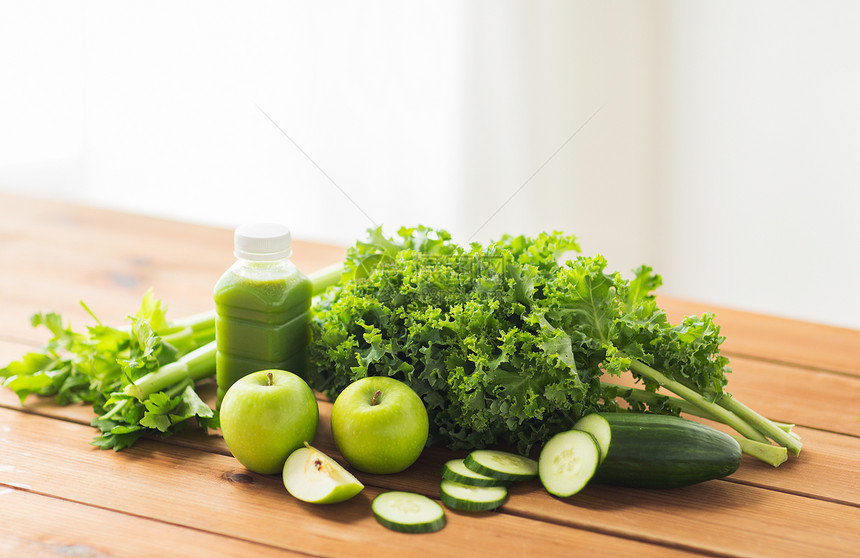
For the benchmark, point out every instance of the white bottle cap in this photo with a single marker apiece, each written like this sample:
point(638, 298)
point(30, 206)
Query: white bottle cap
point(262, 242)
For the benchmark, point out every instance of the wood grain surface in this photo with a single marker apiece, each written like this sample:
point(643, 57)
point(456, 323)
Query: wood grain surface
point(61, 496)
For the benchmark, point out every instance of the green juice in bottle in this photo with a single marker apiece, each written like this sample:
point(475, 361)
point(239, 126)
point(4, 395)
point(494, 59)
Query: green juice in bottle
point(262, 305)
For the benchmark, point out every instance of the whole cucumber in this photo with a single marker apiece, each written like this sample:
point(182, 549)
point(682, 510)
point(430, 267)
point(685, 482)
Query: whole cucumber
point(659, 451)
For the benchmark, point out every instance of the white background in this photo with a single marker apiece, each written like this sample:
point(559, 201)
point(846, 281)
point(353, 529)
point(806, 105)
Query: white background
point(721, 140)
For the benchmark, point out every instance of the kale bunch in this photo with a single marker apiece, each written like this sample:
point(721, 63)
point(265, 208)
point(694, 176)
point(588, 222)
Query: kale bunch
point(507, 343)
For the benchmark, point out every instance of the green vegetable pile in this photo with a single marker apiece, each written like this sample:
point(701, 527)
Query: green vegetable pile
point(508, 343)
point(139, 379)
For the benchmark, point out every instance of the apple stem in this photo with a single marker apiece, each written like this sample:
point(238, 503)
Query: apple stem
point(271, 379)
point(375, 400)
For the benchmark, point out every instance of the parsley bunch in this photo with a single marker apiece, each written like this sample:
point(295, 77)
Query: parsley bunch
point(507, 342)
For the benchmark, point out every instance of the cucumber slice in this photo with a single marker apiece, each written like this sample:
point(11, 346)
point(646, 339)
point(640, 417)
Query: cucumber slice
point(502, 465)
point(567, 462)
point(458, 496)
point(596, 425)
point(408, 512)
point(455, 470)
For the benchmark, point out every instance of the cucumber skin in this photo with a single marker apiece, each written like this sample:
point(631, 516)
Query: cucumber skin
point(414, 528)
point(452, 475)
point(664, 451)
point(463, 505)
point(479, 468)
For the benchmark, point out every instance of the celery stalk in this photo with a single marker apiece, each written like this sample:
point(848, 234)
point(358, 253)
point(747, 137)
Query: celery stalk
point(719, 413)
point(196, 365)
point(762, 450)
point(769, 453)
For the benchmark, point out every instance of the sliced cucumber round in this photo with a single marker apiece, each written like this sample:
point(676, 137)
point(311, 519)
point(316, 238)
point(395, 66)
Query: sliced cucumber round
point(408, 512)
point(567, 462)
point(458, 496)
point(501, 465)
point(597, 425)
point(455, 470)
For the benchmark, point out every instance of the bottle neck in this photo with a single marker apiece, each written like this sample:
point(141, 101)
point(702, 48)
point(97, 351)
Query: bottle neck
point(266, 269)
point(263, 263)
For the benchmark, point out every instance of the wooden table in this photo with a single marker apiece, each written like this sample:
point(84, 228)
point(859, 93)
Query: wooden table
point(187, 496)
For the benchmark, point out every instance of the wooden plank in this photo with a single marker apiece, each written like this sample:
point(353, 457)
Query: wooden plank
point(209, 492)
point(826, 469)
point(720, 517)
point(816, 346)
point(807, 397)
point(133, 254)
point(40, 526)
point(51, 263)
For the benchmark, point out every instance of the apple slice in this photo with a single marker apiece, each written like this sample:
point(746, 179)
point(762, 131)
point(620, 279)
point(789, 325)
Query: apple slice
point(312, 476)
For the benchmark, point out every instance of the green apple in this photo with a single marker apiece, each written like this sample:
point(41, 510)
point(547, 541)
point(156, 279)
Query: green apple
point(266, 416)
point(379, 425)
point(312, 476)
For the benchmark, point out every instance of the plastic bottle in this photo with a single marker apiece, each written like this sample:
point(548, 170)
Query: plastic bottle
point(262, 305)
